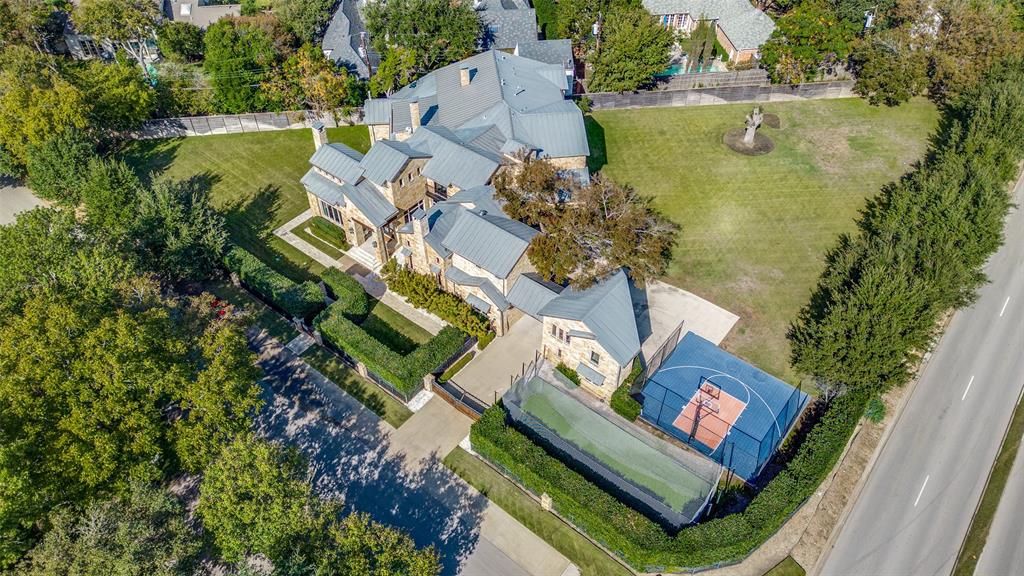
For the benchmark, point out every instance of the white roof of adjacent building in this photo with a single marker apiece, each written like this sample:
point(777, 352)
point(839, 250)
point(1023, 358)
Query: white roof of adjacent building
point(746, 26)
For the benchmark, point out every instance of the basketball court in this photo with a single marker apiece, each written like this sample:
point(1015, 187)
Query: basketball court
point(710, 414)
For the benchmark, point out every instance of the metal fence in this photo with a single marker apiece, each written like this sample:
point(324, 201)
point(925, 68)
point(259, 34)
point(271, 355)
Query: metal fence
point(721, 95)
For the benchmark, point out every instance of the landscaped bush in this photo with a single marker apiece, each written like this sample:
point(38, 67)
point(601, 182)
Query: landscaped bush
point(298, 300)
point(454, 368)
point(348, 293)
point(638, 540)
point(329, 232)
point(422, 291)
point(403, 372)
point(569, 373)
point(622, 402)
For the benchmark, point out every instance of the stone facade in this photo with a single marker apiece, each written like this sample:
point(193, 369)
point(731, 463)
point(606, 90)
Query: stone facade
point(379, 132)
point(568, 162)
point(573, 350)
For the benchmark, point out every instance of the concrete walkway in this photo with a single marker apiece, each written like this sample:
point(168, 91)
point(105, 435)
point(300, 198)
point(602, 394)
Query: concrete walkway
point(489, 372)
point(15, 199)
point(357, 457)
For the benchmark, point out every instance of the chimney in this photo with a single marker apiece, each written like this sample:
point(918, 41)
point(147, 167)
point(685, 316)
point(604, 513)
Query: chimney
point(414, 114)
point(319, 134)
point(464, 75)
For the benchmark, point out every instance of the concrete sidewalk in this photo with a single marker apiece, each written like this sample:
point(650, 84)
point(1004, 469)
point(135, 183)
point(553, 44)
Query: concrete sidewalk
point(15, 199)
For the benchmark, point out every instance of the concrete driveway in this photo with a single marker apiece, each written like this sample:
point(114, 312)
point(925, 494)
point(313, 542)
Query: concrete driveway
point(14, 199)
point(353, 456)
point(661, 307)
point(489, 371)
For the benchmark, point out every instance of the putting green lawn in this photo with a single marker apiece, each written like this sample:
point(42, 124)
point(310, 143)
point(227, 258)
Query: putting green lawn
point(253, 180)
point(680, 488)
point(755, 230)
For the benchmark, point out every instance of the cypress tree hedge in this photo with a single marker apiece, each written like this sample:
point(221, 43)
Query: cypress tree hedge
point(298, 300)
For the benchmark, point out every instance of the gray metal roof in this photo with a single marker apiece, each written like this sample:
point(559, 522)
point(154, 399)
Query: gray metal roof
point(589, 373)
point(502, 28)
point(556, 52)
point(323, 188)
point(201, 15)
point(479, 197)
point(338, 160)
point(478, 303)
point(530, 293)
point(581, 334)
point(558, 130)
point(374, 206)
point(463, 278)
point(492, 242)
point(386, 159)
point(606, 308)
point(453, 161)
point(746, 26)
point(377, 111)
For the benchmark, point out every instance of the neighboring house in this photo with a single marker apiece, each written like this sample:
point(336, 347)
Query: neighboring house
point(474, 250)
point(513, 28)
point(741, 28)
point(592, 331)
point(346, 42)
point(198, 12)
point(85, 47)
point(452, 130)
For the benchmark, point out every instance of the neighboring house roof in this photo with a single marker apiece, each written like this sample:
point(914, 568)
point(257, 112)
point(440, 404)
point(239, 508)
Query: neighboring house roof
point(502, 28)
point(492, 242)
point(530, 293)
point(746, 26)
point(385, 160)
point(606, 308)
point(557, 52)
point(338, 160)
point(463, 278)
point(341, 40)
point(197, 12)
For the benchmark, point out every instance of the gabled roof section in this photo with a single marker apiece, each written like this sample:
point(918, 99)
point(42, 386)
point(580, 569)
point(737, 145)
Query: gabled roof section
point(463, 278)
point(558, 125)
point(453, 161)
point(377, 111)
point(606, 308)
point(492, 242)
point(374, 206)
point(530, 293)
point(385, 160)
point(502, 28)
point(339, 161)
point(323, 188)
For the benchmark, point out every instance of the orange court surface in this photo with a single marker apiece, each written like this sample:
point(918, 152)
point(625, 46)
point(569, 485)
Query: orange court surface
point(715, 412)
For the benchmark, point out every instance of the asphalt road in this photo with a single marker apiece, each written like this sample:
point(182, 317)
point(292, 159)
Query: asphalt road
point(917, 503)
point(1004, 550)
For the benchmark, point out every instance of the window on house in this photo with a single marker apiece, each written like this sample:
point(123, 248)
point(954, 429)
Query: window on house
point(554, 331)
point(561, 335)
point(595, 358)
point(330, 212)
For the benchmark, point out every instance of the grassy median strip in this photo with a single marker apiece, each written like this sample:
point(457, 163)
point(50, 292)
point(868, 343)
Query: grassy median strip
point(366, 392)
point(579, 550)
point(977, 534)
point(788, 567)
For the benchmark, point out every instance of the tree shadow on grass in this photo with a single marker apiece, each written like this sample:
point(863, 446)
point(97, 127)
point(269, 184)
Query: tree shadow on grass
point(250, 223)
point(349, 458)
point(595, 139)
point(150, 158)
point(387, 334)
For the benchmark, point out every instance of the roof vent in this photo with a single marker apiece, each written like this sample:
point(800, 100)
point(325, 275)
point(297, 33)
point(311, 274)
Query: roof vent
point(483, 212)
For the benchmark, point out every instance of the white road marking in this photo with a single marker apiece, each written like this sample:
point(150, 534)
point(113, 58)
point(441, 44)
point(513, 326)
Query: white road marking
point(918, 499)
point(1004, 306)
point(966, 389)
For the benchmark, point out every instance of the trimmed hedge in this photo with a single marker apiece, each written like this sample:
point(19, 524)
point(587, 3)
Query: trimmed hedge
point(569, 373)
point(329, 232)
point(403, 372)
point(622, 402)
point(638, 540)
point(348, 293)
point(299, 300)
point(422, 291)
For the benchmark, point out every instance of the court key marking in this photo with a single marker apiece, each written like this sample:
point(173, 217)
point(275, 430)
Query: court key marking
point(1007, 301)
point(967, 389)
point(918, 499)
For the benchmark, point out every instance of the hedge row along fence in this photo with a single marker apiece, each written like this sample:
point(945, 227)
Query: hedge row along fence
point(298, 300)
point(639, 541)
point(348, 293)
point(338, 326)
point(423, 292)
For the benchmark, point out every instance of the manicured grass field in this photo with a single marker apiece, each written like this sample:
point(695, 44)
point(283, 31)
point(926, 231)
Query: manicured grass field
point(392, 329)
point(788, 567)
point(579, 550)
point(368, 393)
point(755, 230)
point(253, 180)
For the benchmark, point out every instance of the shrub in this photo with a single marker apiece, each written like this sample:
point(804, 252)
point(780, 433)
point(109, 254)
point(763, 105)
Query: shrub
point(403, 372)
point(329, 232)
point(298, 300)
point(638, 540)
point(568, 373)
point(348, 293)
point(875, 410)
point(422, 291)
point(623, 403)
point(454, 368)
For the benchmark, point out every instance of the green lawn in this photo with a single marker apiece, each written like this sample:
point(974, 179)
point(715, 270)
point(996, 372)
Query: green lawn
point(579, 550)
point(310, 235)
point(755, 229)
point(788, 567)
point(253, 180)
point(371, 396)
point(393, 330)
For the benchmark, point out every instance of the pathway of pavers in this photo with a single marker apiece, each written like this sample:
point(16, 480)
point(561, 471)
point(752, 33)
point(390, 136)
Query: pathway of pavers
point(357, 457)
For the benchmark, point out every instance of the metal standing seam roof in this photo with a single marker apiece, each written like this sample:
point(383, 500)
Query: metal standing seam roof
point(463, 278)
point(589, 373)
point(559, 126)
point(374, 206)
point(478, 303)
point(377, 111)
point(452, 161)
point(494, 243)
point(386, 159)
point(323, 188)
point(530, 293)
point(606, 308)
point(339, 161)
point(745, 26)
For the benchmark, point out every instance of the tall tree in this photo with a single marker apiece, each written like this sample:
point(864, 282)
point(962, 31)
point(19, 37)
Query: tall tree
point(437, 32)
point(141, 533)
point(396, 69)
point(635, 47)
point(239, 53)
point(306, 18)
point(180, 41)
point(700, 44)
point(890, 68)
point(806, 41)
point(31, 23)
point(56, 166)
point(124, 24)
point(119, 97)
point(308, 80)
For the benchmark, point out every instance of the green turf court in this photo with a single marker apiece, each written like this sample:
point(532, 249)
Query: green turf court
point(677, 485)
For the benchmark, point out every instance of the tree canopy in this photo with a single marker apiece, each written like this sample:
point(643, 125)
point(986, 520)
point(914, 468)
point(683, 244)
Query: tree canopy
point(807, 40)
point(308, 80)
point(239, 53)
point(437, 32)
point(635, 47)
